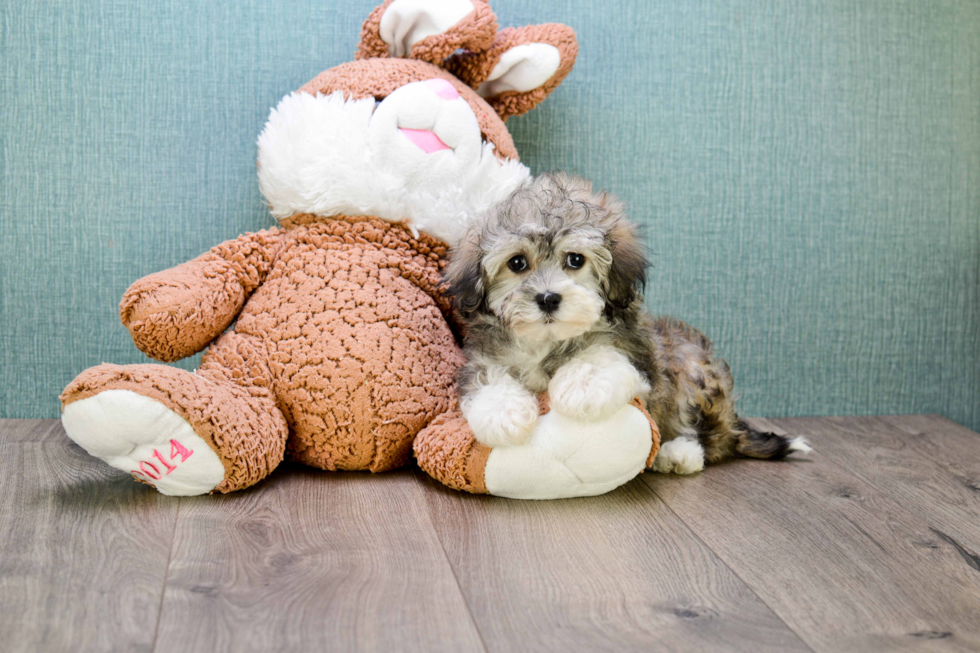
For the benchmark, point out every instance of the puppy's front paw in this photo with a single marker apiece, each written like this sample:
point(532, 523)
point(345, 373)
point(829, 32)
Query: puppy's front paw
point(679, 456)
point(595, 386)
point(501, 415)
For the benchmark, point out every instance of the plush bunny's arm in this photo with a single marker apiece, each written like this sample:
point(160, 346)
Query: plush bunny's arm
point(178, 312)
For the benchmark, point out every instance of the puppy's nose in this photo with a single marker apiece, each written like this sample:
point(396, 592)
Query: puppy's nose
point(548, 301)
point(443, 89)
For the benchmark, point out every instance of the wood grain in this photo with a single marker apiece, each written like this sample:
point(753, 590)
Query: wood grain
point(846, 566)
point(929, 465)
point(310, 561)
point(83, 548)
point(618, 572)
point(871, 545)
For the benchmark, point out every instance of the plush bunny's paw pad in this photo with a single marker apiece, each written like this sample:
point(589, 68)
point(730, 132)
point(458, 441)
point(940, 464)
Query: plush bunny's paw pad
point(570, 458)
point(679, 456)
point(143, 437)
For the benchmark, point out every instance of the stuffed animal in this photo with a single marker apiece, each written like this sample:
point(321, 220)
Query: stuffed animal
point(342, 346)
point(563, 458)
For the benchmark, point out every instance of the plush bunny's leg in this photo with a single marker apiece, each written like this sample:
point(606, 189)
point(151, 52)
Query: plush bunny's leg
point(218, 430)
point(565, 457)
point(448, 452)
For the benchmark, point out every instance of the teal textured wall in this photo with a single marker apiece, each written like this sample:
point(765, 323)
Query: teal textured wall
point(807, 173)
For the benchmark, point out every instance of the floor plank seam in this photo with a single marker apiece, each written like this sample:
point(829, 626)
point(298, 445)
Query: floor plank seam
point(728, 566)
point(442, 547)
point(166, 577)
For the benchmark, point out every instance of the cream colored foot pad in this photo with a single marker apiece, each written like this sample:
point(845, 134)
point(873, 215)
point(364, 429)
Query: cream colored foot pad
point(569, 458)
point(145, 438)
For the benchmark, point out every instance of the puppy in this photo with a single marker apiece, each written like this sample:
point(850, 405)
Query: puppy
point(549, 287)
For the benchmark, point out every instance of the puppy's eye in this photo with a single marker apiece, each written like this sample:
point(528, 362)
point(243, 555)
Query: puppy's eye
point(574, 261)
point(517, 263)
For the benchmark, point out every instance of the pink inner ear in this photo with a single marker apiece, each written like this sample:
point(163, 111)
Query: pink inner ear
point(425, 139)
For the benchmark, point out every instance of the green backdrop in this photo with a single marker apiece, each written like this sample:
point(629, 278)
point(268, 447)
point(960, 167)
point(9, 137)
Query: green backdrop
point(807, 173)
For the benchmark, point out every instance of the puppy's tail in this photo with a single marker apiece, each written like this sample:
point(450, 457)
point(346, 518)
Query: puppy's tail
point(764, 444)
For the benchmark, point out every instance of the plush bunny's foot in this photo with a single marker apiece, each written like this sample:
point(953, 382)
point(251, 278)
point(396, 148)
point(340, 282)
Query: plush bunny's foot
point(566, 457)
point(138, 435)
point(184, 434)
point(563, 457)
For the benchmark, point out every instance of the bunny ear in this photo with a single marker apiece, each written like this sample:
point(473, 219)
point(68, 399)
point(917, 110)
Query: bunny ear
point(521, 68)
point(429, 30)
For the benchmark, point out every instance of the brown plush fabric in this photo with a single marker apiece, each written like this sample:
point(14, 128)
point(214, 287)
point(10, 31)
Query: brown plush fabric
point(378, 78)
point(447, 451)
point(175, 313)
point(229, 403)
point(475, 31)
point(473, 68)
point(371, 45)
point(654, 430)
point(346, 335)
point(354, 323)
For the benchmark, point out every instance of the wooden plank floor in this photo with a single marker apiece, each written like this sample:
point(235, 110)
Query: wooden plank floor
point(871, 544)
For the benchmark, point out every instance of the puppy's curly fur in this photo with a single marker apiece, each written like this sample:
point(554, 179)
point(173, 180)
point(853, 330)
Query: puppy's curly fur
point(549, 286)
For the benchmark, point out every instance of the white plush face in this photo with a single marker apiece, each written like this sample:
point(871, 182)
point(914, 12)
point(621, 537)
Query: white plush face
point(416, 157)
point(414, 154)
point(426, 134)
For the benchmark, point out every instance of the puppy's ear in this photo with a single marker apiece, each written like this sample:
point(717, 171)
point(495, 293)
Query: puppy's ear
point(463, 277)
point(627, 272)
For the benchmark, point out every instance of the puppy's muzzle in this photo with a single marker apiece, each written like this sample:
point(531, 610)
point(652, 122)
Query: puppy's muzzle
point(548, 302)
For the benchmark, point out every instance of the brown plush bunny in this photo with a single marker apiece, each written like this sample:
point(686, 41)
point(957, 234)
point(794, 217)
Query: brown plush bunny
point(341, 349)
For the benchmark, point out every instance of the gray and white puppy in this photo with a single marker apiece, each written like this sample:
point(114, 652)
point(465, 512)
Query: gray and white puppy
point(549, 286)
